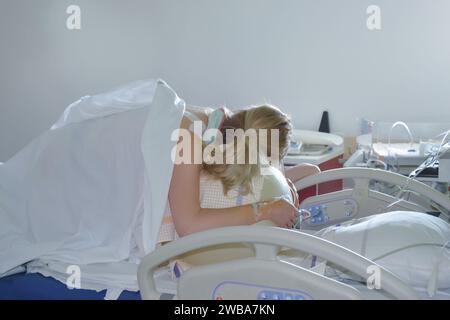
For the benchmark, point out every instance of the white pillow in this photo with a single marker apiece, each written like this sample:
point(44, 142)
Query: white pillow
point(409, 244)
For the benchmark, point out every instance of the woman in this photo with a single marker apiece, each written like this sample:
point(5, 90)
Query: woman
point(188, 216)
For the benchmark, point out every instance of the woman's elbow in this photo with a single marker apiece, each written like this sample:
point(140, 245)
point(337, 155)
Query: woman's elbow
point(185, 227)
point(302, 171)
point(314, 169)
point(182, 229)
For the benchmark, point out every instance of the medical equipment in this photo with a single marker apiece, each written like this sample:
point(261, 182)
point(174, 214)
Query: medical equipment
point(417, 158)
point(432, 160)
point(360, 200)
point(381, 146)
point(312, 143)
point(444, 167)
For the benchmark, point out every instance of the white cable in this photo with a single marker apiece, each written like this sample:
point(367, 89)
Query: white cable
point(404, 125)
point(432, 158)
point(445, 134)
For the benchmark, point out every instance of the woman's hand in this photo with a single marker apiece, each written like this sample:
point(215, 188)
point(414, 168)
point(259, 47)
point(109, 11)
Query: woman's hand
point(280, 212)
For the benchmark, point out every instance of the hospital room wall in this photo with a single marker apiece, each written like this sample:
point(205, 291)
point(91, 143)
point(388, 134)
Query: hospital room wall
point(305, 56)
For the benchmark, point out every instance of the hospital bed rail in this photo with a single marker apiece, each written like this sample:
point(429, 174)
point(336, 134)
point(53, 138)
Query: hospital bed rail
point(360, 200)
point(267, 242)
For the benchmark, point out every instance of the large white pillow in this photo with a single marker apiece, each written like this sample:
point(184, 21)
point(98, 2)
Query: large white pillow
point(409, 244)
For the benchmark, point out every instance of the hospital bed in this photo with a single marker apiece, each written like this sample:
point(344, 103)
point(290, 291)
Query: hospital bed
point(253, 262)
point(256, 262)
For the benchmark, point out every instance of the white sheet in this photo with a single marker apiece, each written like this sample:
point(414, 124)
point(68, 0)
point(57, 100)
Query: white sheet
point(92, 189)
point(409, 244)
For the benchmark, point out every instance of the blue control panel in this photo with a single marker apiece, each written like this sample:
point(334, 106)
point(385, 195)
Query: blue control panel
point(318, 215)
point(228, 290)
point(278, 295)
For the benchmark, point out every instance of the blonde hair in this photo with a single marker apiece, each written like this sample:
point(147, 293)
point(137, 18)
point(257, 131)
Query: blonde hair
point(259, 117)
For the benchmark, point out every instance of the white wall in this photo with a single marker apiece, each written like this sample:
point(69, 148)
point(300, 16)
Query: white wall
point(303, 55)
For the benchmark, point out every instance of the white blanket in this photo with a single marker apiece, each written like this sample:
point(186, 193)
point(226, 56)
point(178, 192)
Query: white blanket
point(92, 190)
point(411, 245)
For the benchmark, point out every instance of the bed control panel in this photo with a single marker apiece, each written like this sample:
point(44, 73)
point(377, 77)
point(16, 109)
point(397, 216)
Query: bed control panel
point(318, 215)
point(330, 212)
point(280, 295)
point(226, 290)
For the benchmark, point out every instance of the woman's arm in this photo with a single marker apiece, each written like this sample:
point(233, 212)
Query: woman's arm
point(297, 173)
point(301, 171)
point(189, 217)
point(187, 214)
point(184, 196)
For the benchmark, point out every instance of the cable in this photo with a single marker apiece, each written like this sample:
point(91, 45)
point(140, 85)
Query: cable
point(404, 125)
point(430, 160)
